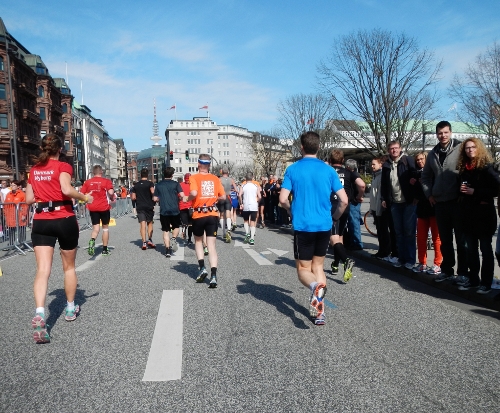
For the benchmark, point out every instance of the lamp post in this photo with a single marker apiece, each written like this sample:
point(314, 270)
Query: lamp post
point(167, 152)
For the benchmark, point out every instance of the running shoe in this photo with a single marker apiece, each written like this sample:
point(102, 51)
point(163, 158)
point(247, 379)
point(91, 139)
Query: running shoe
point(348, 269)
point(234, 227)
point(434, 270)
point(247, 238)
point(228, 237)
point(316, 306)
point(70, 315)
point(144, 246)
point(420, 268)
point(320, 320)
point(397, 263)
point(201, 275)
point(189, 242)
point(213, 282)
point(105, 252)
point(251, 241)
point(91, 249)
point(461, 279)
point(483, 289)
point(468, 286)
point(443, 277)
point(205, 250)
point(150, 244)
point(40, 335)
point(335, 268)
point(409, 266)
point(168, 252)
point(174, 246)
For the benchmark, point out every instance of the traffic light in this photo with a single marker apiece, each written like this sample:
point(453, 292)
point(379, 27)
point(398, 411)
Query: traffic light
point(187, 154)
point(171, 155)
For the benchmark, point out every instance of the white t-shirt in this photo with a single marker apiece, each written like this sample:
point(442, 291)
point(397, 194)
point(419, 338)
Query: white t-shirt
point(4, 192)
point(249, 195)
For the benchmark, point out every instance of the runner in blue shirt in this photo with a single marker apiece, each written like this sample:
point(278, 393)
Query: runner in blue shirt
point(311, 183)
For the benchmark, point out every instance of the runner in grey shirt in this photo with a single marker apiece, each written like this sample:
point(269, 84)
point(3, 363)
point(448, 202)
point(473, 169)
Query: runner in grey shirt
point(225, 206)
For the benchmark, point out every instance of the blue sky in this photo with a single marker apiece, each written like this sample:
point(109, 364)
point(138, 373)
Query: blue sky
point(240, 57)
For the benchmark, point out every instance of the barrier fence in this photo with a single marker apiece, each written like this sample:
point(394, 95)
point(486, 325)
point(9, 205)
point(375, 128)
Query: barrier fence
point(16, 222)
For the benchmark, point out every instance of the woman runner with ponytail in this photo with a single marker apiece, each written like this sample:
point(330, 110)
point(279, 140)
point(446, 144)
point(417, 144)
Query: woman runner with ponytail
point(49, 188)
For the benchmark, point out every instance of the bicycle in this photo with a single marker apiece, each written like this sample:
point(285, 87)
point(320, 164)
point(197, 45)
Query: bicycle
point(369, 221)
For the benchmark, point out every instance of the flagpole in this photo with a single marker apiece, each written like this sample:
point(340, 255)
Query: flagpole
point(208, 114)
point(175, 109)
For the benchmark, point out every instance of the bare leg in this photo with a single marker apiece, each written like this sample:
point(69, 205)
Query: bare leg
point(70, 278)
point(44, 257)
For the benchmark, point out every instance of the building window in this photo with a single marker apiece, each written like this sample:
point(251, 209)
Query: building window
point(43, 133)
point(41, 91)
point(1, 63)
point(65, 108)
point(42, 114)
point(66, 126)
point(3, 120)
point(66, 145)
point(3, 95)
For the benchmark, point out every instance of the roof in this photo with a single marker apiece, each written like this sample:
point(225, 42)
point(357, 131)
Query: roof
point(154, 152)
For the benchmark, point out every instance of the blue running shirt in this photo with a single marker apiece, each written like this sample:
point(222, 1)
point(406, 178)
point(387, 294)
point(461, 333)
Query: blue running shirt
point(311, 183)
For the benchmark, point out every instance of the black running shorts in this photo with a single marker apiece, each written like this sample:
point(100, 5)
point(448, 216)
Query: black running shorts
point(249, 214)
point(339, 226)
point(307, 245)
point(186, 217)
point(97, 216)
point(46, 232)
point(224, 206)
point(145, 215)
point(170, 221)
point(206, 225)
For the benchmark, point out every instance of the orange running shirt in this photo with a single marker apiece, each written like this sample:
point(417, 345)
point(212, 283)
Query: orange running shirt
point(209, 189)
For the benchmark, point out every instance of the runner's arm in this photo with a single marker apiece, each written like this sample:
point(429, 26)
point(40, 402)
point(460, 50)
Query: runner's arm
point(284, 201)
point(342, 204)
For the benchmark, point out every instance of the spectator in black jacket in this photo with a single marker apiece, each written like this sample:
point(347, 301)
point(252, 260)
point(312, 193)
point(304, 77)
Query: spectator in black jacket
point(398, 195)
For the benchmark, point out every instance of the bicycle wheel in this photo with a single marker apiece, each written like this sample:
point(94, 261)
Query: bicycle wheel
point(369, 221)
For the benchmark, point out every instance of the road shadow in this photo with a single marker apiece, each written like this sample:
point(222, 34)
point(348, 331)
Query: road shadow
point(278, 297)
point(285, 261)
point(58, 304)
point(191, 270)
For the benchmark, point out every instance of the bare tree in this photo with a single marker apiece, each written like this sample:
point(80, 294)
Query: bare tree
point(299, 113)
point(478, 94)
point(382, 79)
point(269, 153)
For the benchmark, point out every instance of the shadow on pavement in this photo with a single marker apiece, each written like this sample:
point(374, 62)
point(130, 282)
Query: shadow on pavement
point(191, 270)
point(277, 297)
point(58, 304)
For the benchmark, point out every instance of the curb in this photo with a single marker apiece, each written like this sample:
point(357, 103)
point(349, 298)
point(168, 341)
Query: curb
point(490, 300)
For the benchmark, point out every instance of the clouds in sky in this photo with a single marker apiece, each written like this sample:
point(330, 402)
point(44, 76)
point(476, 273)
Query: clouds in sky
point(239, 57)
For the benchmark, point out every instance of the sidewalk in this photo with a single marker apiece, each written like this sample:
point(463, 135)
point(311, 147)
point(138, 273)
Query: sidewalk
point(490, 300)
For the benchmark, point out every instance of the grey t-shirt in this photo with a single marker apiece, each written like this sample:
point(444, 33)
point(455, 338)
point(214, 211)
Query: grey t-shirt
point(168, 192)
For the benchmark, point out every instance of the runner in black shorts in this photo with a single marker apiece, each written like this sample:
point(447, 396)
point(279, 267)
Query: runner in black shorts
point(307, 245)
point(49, 186)
point(186, 211)
point(143, 194)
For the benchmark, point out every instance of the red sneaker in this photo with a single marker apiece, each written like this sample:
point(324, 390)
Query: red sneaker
point(150, 245)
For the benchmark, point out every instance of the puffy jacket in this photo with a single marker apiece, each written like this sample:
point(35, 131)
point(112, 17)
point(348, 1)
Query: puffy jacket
point(441, 181)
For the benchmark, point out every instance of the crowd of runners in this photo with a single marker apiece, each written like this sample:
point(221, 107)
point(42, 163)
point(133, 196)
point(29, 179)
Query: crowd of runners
point(451, 190)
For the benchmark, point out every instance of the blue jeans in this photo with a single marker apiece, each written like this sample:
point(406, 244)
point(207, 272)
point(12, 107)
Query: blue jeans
point(354, 226)
point(405, 225)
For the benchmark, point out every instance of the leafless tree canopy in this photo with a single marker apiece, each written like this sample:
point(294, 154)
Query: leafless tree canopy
point(478, 94)
point(383, 79)
point(270, 155)
point(300, 113)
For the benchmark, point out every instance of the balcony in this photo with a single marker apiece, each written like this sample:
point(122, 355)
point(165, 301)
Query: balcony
point(29, 115)
point(56, 109)
point(59, 129)
point(23, 88)
point(30, 140)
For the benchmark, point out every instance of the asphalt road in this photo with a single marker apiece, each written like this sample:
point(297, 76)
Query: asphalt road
point(391, 343)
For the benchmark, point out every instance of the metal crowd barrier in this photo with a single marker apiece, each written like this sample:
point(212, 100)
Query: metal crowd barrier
point(16, 222)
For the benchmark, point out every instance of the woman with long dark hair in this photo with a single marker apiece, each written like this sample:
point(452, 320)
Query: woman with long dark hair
point(49, 188)
point(479, 185)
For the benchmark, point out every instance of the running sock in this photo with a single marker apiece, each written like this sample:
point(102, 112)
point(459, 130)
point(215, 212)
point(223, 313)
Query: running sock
point(252, 232)
point(214, 271)
point(104, 247)
point(313, 285)
point(201, 263)
point(228, 220)
point(339, 252)
point(40, 310)
point(70, 305)
point(246, 227)
point(93, 239)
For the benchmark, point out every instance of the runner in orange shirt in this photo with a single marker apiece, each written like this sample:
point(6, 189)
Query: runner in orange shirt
point(205, 190)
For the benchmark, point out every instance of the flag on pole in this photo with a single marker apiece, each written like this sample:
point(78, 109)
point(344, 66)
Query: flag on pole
point(204, 107)
point(173, 107)
point(310, 121)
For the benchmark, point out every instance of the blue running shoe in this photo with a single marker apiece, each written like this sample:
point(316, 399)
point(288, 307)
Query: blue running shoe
point(70, 315)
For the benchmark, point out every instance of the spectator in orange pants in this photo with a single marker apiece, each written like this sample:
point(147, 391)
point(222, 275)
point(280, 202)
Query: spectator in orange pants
point(426, 220)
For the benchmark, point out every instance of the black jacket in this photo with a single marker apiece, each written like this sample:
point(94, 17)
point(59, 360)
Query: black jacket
point(406, 170)
point(424, 207)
